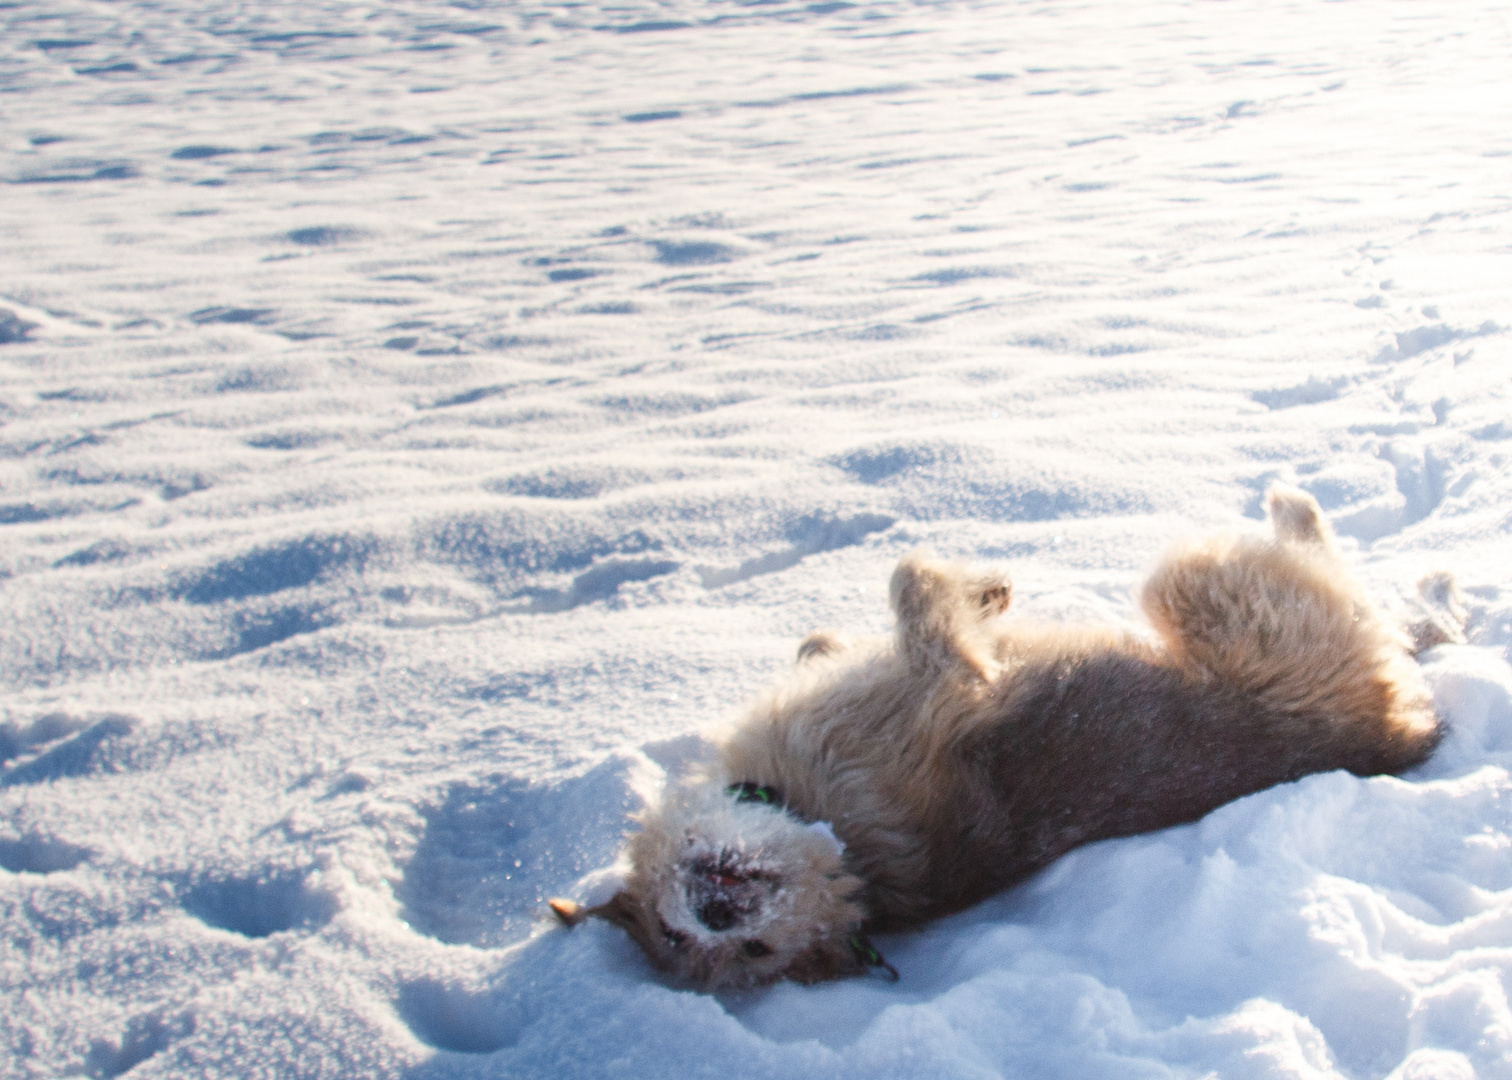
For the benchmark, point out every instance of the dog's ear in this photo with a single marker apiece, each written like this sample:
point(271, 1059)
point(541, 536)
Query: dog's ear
point(620, 909)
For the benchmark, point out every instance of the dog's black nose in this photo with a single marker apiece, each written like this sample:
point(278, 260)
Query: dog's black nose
point(717, 914)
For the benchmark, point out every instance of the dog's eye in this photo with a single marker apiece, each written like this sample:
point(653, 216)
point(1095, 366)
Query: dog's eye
point(755, 949)
point(675, 938)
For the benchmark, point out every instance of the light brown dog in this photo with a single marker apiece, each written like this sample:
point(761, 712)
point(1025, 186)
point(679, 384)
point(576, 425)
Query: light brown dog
point(891, 782)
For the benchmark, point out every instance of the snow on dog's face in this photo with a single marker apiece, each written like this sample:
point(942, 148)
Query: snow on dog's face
point(729, 893)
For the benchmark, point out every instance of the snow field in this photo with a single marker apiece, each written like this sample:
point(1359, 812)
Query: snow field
point(419, 421)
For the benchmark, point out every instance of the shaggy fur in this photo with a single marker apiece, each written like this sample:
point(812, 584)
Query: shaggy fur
point(969, 752)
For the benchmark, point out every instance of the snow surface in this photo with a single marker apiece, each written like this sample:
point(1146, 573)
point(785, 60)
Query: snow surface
point(418, 421)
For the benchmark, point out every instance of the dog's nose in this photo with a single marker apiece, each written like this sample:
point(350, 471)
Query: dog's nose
point(717, 914)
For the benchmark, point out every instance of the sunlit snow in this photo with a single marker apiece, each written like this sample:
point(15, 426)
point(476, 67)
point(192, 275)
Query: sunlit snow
point(419, 420)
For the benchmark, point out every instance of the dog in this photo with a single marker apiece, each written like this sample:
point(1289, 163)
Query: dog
point(891, 782)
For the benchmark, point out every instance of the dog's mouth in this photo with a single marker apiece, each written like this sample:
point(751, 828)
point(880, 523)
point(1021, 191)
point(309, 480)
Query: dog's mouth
point(725, 891)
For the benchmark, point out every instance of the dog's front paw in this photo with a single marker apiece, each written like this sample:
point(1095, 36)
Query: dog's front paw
point(994, 592)
point(940, 607)
point(925, 586)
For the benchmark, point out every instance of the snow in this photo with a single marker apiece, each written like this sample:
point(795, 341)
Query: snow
point(419, 421)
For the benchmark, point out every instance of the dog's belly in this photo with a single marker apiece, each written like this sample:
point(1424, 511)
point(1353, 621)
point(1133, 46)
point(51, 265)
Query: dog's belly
point(1083, 748)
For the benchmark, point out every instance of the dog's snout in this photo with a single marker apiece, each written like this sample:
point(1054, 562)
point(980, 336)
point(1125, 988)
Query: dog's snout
point(717, 914)
point(724, 891)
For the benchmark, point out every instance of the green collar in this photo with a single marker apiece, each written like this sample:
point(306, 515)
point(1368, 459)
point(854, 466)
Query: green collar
point(747, 791)
point(867, 953)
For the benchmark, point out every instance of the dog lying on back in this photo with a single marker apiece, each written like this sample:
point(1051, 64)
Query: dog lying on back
point(887, 783)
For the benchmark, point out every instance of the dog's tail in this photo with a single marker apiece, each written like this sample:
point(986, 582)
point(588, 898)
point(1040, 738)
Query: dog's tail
point(1282, 622)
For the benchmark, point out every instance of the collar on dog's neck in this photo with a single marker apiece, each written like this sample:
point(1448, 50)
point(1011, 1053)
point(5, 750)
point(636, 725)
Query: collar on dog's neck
point(867, 953)
point(749, 791)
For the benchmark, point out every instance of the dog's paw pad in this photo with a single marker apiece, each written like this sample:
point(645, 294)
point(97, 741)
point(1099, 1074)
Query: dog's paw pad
point(995, 598)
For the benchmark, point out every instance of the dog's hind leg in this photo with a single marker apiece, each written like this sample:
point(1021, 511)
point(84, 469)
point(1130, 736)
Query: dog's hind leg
point(942, 608)
point(1282, 621)
point(1297, 518)
point(1440, 613)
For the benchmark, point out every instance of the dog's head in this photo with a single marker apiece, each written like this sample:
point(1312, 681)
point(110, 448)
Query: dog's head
point(724, 891)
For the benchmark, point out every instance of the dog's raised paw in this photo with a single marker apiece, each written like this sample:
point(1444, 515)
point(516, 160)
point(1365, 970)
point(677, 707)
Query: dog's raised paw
point(1439, 618)
point(996, 595)
point(1296, 515)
